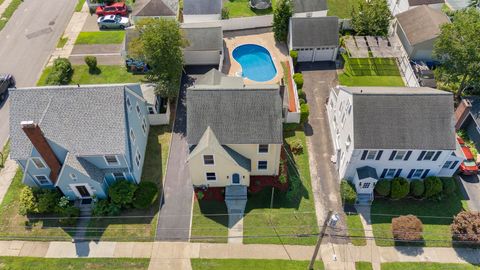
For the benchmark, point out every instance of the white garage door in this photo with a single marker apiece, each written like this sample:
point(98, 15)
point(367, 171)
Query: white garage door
point(324, 54)
point(305, 55)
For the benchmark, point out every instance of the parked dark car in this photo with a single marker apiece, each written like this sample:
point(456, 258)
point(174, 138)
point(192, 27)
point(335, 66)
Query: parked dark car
point(136, 66)
point(425, 75)
point(6, 81)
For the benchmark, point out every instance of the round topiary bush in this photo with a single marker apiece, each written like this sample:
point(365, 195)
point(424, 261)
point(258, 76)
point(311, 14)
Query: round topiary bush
point(407, 228)
point(417, 188)
point(449, 186)
point(145, 195)
point(301, 94)
point(298, 79)
point(433, 186)
point(304, 113)
point(294, 55)
point(91, 62)
point(61, 73)
point(121, 193)
point(383, 187)
point(465, 227)
point(349, 196)
point(399, 188)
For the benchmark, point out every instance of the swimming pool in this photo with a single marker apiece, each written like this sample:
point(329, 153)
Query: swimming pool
point(256, 62)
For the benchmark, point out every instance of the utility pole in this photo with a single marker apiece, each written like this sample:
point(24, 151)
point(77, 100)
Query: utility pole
point(319, 240)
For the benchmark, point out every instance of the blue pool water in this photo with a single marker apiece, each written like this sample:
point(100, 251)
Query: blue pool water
point(256, 62)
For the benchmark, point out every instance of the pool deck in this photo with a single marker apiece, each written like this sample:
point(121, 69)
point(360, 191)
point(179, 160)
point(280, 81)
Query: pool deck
point(262, 37)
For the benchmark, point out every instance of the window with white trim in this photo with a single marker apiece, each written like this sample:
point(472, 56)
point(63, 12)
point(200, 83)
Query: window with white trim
point(208, 160)
point(119, 176)
point(447, 164)
point(144, 126)
point(42, 180)
point(371, 154)
point(418, 173)
point(390, 173)
point(211, 176)
point(429, 155)
point(400, 155)
point(129, 104)
point(38, 162)
point(139, 112)
point(151, 110)
point(73, 176)
point(263, 148)
point(262, 165)
point(132, 136)
point(138, 158)
point(111, 160)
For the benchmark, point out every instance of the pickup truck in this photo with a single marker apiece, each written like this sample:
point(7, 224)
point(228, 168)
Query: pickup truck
point(6, 81)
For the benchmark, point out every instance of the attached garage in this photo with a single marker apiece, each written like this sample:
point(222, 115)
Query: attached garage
point(205, 44)
point(315, 39)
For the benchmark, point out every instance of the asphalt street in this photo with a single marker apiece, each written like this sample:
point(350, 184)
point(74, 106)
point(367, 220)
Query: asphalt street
point(27, 41)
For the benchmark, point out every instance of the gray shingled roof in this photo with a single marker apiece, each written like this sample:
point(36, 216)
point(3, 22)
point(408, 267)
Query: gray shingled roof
point(314, 32)
point(421, 23)
point(155, 8)
point(236, 116)
point(475, 109)
point(366, 172)
point(88, 120)
point(204, 38)
point(202, 7)
point(239, 158)
point(402, 118)
point(301, 6)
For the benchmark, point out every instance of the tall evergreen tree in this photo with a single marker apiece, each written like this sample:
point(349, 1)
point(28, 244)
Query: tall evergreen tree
point(281, 17)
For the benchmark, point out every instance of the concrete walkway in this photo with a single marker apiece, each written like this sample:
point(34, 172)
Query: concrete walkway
point(235, 229)
point(6, 176)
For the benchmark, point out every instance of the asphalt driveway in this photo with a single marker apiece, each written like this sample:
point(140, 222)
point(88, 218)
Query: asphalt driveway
point(471, 190)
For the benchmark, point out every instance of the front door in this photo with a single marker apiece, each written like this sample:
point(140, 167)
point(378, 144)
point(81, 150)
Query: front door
point(83, 191)
point(235, 179)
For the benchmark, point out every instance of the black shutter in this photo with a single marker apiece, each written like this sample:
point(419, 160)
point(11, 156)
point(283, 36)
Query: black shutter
point(437, 155)
point(399, 171)
point(379, 155)
point(422, 154)
point(392, 155)
point(408, 155)
point(453, 165)
point(383, 173)
point(364, 155)
point(425, 173)
point(411, 173)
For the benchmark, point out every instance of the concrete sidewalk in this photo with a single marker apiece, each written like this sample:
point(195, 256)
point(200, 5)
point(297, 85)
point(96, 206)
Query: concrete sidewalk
point(6, 176)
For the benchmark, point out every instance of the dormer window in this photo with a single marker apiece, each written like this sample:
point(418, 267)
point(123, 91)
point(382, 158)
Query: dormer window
point(111, 160)
point(38, 163)
point(208, 160)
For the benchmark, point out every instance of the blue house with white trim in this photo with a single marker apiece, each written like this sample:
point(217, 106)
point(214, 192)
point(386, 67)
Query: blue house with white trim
point(79, 139)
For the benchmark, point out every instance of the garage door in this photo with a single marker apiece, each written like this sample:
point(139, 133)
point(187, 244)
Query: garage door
point(305, 55)
point(324, 54)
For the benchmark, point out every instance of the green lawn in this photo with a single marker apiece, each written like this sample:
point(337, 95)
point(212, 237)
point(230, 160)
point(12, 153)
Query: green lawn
point(239, 264)
point(8, 13)
point(28, 263)
point(363, 266)
point(292, 214)
point(139, 229)
point(241, 8)
point(107, 75)
point(5, 153)
point(370, 80)
point(436, 230)
point(355, 228)
point(100, 37)
point(428, 266)
point(341, 8)
point(370, 72)
point(79, 5)
point(61, 42)
point(214, 225)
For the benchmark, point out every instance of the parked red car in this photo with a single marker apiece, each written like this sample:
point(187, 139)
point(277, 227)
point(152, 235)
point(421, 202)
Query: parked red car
point(468, 166)
point(114, 9)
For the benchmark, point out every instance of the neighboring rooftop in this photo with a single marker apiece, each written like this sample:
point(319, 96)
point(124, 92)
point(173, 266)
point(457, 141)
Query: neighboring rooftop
point(475, 109)
point(155, 8)
point(314, 31)
point(202, 7)
point(205, 38)
point(402, 118)
point(424, 2)
point(421, 23)
point(215, 78)
point(237, 115)
point(301, 6)
point(77, 119)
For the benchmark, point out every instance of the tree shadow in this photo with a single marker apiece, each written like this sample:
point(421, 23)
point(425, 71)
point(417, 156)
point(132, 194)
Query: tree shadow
point(94, 71)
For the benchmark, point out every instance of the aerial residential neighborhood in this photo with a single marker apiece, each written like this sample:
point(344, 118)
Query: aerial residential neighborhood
point(239, 134)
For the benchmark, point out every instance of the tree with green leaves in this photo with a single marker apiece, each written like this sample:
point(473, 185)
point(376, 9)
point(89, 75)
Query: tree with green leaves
point(281, 18)
point(371, 18)
point(457, 48)
point(159, 44)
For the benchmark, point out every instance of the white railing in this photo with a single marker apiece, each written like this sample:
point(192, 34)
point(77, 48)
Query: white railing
point(293, 117)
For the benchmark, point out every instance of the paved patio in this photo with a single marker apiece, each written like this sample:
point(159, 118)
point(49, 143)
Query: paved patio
point(263, 37)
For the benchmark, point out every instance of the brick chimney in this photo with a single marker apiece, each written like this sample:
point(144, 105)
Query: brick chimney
point(462, 112)
point(35, 134)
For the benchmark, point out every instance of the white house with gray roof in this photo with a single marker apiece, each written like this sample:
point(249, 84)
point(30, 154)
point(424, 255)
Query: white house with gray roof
point(205, 44)
point(197, 11)
point(309, 8)
point(399, 6)
point(155, 9)
point(79, 139)
point(387, 132)
point(314, 38)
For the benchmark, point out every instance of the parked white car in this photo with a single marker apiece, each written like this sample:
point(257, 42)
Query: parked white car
point(113, 22)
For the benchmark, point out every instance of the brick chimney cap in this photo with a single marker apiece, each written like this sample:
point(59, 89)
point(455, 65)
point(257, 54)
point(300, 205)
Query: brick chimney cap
point(27, 124)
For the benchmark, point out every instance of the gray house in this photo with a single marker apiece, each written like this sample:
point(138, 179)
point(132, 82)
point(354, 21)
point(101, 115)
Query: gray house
point(155, 9)
point(202, 10)
point(205, 44)
point(309, 8)
point(418, 28)
point(79, 139)
point(314, 38)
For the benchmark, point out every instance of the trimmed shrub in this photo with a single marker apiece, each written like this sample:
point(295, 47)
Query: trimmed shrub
point(383, 187)
point(417, 188)
point(69, 215)
point(348, 193)
point(200, 195)
point(304, 113)
point(145, 195)
point(91, 62)
point(28, 201)
point(301, 94)
point(62, 72)
point(298, 79)
point(48, 200)
point(433, 186)
point(449, 185)
point(296, 146)
point(225, 13)
point(466, 227)
point(407, 228)
point(294, 55)
point(400, 187)
point(121, 193)
point(106, 208)
point(301, 101)
point(290, 126)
